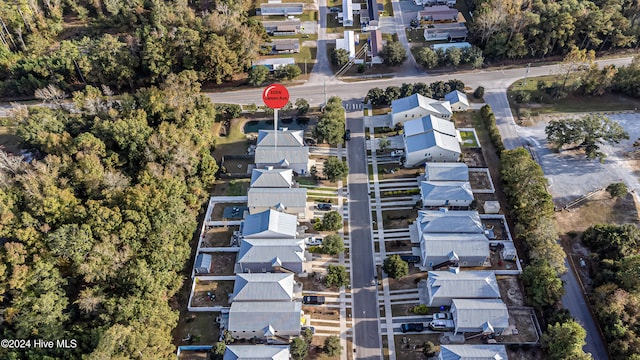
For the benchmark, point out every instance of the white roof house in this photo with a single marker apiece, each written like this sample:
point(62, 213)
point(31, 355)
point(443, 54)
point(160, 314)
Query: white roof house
point(347, 12)
point(284, 138)
point(274, 63)
point(445, 221)
point(348, 43)
point(256, 352)
point(263, 287)
point(289, 157)
point(269, 319)
point(443, 286)
point(284, 9)
point(268, 255)
point(270, 224)
point(417, 106)
point(431, 146)
point(271, 178)
point(458, 100)
point(429, 123)
point(480, 315)
point(445, 193)
point(465, 250)
point(446, 172)
point(444, 47)
point(472, 352)
point(291, 201)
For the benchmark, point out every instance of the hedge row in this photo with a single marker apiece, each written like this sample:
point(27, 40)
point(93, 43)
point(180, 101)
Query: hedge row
point(489, 120)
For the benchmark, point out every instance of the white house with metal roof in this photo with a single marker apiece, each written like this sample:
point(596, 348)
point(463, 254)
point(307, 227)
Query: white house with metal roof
point(456, 171)
point(270, 224)
point(441, 287)
point(446, 221)
point(274, 321)
point(291, 201)
point(472, 352)
point(489, 316)
point(256, 352)
point(264, 287)
point(289, 157)
point(348, 43)
point(417, 106)
point(430, 146)
point(274, 63)
point(445, 193)
point(282, 137)
point(465, 250)
point(271, 178)
point(458, 100)
point(347, 13)
point(271, 255)
point(283, 9)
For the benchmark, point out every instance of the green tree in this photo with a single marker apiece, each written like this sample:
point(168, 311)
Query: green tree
point(217, 353)
point(479, 92)
point(426, 57)
point(299, 349)
point(384, 143)
point(336, 276)
point(617, 189)
point(376, 96)
point(335, 169)
point(391, 93)
point(454, 56)
point(339, 57)
point(543, 285)
point(429, 349)
point(258, 75)
point(287, 72)
point(331, 221)
point(302, 106)
point(331, 125)
point(332, 346)
point(393, 54)
point(333, 244)
point(395, 266)
point(307, 335)
point(564, 341)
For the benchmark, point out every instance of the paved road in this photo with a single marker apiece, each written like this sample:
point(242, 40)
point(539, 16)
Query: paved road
point(409, 68)
point(499, 103)
point(321, 70)
point(365, 297)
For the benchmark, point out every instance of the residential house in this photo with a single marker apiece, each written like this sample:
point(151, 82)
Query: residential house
point(489, 316)
point(282, 137)
point(274, 321)
point(446, 193)
point(465, 250)
point(446, 32)
point(284, 9)
point(264, 287)
point(284, 27)
point(288, 157)
point(456, 171)
point(440, 14)
point(417, 106)
point(473, 352)
point(271, 178)
point(376, 42)
point(291, 201)
point(430, 146)
point(256, 352)
point(347, 13)
point(274, 63)
point(271, 255)
point(458, 100)
point(348, 43)
point(203, 264)
point(441, 287)
point(446, 221)
point(270, 224)
point(279, 46)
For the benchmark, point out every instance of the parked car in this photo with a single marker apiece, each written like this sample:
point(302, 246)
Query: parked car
point(411, 259)
point(412, 327)
point(313, 241)
point(397, 153)
point(442, 316)
point(324, 206)
point(347, 135)
point(441, 325)
point(313, 300)
point(334, 9)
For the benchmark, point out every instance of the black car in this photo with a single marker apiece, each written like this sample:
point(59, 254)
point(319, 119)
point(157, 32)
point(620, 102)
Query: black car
point(412, 327)
point(411, 259)
point(334, 9)
point(324, 206)
point(313, 300)
point(347, 135)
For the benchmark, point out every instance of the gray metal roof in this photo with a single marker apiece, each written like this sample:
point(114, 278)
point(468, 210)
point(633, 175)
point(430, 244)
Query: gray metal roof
point(444, 221)
point(275, 197)
point(457, 96)
point(464, 284)
point(284, 138)
point(263, 287)
point(270, 224)
point(271, 250)
point(462, 245)
point(272, 178)
point(427, 140)
point(473, 352)
point(280, 316)
point(429, 123)
point(203, 260)
point(256, 352)
point(273, 155)
point(475, 313)
point(446, 172)
point(411, 102)
point(446, 190)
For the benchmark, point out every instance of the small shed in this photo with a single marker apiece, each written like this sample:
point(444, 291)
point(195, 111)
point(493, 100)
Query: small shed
point(508, 251)
point(491, 207)
point(203, 264)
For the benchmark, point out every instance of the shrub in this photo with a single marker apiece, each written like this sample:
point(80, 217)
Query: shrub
point(479, 92)
point(421, 309)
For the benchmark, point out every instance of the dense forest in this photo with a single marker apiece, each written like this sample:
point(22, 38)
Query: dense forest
point(538, 28)
point(97, 229)
point(122, 44)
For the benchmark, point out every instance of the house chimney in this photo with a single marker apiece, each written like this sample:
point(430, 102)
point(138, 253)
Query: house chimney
point(455, 270)
point(269, 167)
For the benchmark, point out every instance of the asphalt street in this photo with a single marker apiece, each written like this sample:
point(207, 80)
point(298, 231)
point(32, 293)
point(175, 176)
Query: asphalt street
point(365, 312)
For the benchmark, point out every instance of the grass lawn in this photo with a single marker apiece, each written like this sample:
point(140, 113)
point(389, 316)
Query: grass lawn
point(238, 187)
point(333, 26)
point(388, 8)
point(409, 347)
point(468, 139)
point(309, 16)
point(416, 36)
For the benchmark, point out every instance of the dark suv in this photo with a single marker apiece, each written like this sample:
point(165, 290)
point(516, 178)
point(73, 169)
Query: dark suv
point(347, 135)
point(324, 206)
point(411, 259)
point(412, 327)
point(313, 300)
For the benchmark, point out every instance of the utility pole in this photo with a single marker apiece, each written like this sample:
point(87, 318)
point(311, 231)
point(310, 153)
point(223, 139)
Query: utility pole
point(526, 73)
point(305, 66)
point(325, 93)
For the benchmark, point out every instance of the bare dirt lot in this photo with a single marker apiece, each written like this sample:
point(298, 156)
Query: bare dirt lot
point(222, 264)
point(410, 281)
point(479, 180)
point(221, 290)
point(218, 236)
point(510, 290)
point(473, 157)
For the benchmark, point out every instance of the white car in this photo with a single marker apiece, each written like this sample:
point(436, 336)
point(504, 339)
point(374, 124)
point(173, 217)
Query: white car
point(313, 241)
point(397, 153)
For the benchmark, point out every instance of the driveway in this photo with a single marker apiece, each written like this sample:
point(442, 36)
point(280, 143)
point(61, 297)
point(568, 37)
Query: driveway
point(409, 67)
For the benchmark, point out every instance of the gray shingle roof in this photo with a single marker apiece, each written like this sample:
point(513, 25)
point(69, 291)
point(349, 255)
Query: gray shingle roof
point(263, 287)
point(474, 313)
point(464, 284)
point(272, 178)
point(268, 250)
point(274, 197)
point(281, 316)
point(276, 156)
point(446, 190)
point(444, 221)
point(270, 224)
point(446, 172)
point(256, 352)
point(473, 352)
point(285, 138)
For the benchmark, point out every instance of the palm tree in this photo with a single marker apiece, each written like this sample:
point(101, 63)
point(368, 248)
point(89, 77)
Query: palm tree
point(384, 143)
